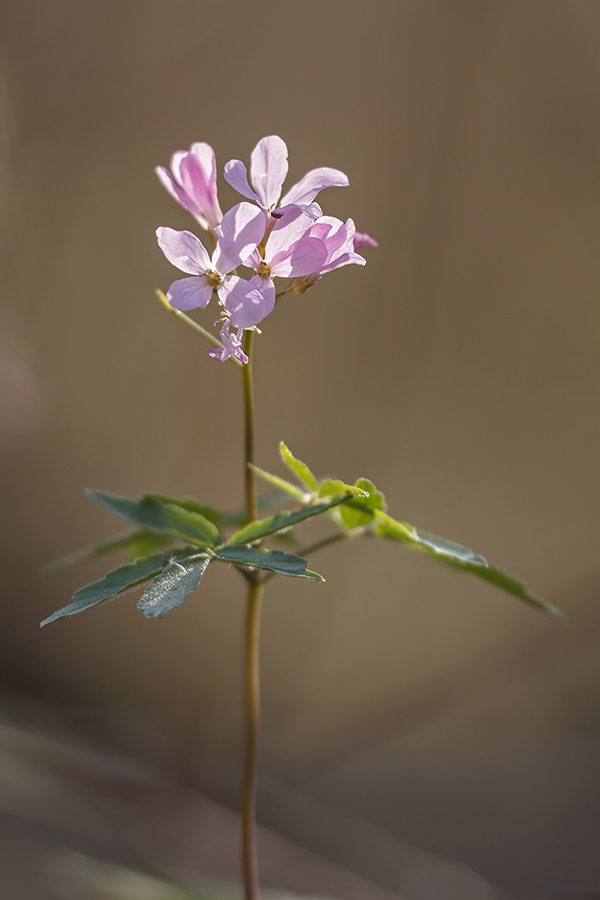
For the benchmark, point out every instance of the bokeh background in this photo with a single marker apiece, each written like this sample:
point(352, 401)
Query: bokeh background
point(421, 730)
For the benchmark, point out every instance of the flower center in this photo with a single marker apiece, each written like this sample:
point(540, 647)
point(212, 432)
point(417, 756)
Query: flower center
point(213, 278)
point(264, 270)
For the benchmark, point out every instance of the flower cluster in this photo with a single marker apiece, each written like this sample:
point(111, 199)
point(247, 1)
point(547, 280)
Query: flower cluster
point(273, 236)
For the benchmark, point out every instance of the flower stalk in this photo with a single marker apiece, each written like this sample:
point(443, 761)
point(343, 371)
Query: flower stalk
point(249, 477)
point(251, 732)
point(251, 654)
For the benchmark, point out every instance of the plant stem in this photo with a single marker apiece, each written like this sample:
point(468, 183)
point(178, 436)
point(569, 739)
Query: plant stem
point(251, 655)
point(249, 478)
point(251, 731)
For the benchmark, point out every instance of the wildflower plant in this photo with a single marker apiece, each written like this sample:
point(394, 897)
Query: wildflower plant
point(260, 250)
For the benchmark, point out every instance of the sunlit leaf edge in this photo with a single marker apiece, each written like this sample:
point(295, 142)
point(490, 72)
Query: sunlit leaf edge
point(299, 468)
point(424, 543)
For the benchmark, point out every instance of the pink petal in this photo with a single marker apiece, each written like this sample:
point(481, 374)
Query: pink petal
point(174, 190)
point(288, 229)
point(225, 288)
point(268, 168)
point(205, 155)
point(306, 256)
point(338, 238)
point(344, 259)
point(254, 260)
point(250, 301)
point(312, 210)
point(194, 183)
point(242, 230)
point(232, 346)
point(236, 175)
point(184, 250)
point(190, 293)
point(364, 240)
point(220, 355)
point(336, 235)
point(175, 163)
point(198, 179)
point(314, 181)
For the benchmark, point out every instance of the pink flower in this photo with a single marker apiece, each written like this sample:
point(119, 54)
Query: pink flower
point(248, 302)
point(290, 252)
point(194, 183)
point(339, 240)
point(241, 231)
point(232, 346)
point(281, 237)
point(268, 170)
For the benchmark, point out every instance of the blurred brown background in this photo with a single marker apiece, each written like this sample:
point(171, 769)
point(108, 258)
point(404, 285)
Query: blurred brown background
point(459, 370)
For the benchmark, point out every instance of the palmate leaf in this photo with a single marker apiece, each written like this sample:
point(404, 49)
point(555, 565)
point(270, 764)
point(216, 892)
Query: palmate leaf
point(459, 557)
point(272, 560)
point(173, 586)
point(117, 581)
point(281, 521)
point(163, 518)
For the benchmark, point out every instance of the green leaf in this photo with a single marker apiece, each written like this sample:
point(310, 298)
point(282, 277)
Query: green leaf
point(209, 512)
point(272, 560)
point(130, 542)
point(333, 486)
point(280, 522)
point(145, 543)
point(164, 518)
point(299, 468)
point(429, 544)
point(459, 557)
point(117, 581)
point(173, 586)
point(360, 512)
point(280, 483)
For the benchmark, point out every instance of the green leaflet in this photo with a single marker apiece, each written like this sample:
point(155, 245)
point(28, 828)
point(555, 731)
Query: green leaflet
point(272, 560)
point(209, 512)
point(359, 512)
point(281, 483)
point(164, 518)
point(332, 486)
point(173, 586)
point(281, 521)
point(117, 581)
point(461, 558)
point(138, 543)
point(299, 469)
